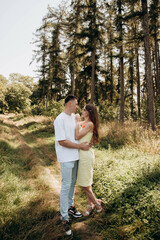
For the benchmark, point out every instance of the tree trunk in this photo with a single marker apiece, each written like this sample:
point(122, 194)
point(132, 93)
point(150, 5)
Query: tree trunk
point(93, 76)
point(73, 81)
point(121, 86)
point(111, 77)
point(75, 50)
point(157, 68)
point(94, 43)
point(131, 80)
point(150, 95)
point(121, 63)
point(138, 84)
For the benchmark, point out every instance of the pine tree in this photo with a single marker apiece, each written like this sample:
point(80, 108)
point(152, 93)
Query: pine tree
point(119, 4)
point(42, 57)
point(149, 81)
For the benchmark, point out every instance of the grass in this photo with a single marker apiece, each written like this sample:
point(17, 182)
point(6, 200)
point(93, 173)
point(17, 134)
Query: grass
point(126, 177)
point(25, 190)
point(129, 182)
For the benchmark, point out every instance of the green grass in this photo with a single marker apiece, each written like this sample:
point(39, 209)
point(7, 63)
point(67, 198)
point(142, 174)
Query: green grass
point(24, 213)
point(126, 177)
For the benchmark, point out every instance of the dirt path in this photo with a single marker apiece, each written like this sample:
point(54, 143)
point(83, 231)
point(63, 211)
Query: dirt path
point(48, 175)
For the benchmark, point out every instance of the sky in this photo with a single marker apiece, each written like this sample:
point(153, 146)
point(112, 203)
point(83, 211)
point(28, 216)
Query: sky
point(19, 19)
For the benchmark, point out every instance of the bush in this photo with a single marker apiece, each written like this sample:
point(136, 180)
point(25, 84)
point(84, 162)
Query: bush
point(53, 110)
point(37, 110)
point(108, 112)
point(17, 98)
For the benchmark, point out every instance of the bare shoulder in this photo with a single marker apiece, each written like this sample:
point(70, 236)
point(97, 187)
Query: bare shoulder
point(89, 125)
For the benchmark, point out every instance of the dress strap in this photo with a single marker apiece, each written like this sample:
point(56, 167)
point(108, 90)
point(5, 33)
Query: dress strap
point(83, 124)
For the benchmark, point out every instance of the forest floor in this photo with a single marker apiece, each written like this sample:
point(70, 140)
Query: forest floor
point(31, 140)
point(126, 176)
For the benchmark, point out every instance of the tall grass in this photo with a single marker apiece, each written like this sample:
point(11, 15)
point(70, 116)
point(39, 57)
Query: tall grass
point(132, 134)
point(127, 177)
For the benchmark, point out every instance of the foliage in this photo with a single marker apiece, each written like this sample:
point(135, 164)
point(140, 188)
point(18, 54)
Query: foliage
point(95, 50)
point(3, 103)
point(19, 78)
point(109, 112)
point(17, 98)
point(3, 90)
point(53, 110)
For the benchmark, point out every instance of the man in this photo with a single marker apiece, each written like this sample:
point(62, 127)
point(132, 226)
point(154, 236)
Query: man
point(68, 156)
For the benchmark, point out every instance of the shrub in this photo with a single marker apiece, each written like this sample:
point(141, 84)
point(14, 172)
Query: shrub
point(52, 110)
point(112, 112)
point(17, 98)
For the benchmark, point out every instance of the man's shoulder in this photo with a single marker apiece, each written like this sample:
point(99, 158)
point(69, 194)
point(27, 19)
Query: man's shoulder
point(61, 115)
point(64, 117)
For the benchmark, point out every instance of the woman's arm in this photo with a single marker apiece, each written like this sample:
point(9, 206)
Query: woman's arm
point(84, 131)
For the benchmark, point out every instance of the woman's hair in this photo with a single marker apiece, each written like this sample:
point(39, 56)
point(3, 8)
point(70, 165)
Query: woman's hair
point(93, 115)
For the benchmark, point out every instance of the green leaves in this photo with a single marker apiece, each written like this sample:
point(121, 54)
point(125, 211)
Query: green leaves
point(17, 97)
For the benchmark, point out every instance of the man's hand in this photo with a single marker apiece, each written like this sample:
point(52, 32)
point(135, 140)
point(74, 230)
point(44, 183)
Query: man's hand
point(84, 146)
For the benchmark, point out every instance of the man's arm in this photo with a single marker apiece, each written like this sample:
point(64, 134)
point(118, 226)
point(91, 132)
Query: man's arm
point(83, 146)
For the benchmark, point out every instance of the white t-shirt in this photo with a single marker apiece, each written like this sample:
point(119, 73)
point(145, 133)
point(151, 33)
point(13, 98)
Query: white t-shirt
point(65, 126)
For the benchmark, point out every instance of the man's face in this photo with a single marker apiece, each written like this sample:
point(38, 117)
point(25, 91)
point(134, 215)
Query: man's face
point(74, 105)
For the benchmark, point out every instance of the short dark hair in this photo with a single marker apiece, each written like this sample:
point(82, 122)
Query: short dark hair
point(69, 97)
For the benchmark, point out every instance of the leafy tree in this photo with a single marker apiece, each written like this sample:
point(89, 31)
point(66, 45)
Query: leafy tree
point(41, 56)
point(19, 78)
point(72, 30)
point(90, 41)
point(57, 69)
point(3, 90)
point(98, 50)
point(17, 97)
point(108, 49)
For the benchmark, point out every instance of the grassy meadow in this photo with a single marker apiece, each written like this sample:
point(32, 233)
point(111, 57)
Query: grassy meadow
point(126, 177)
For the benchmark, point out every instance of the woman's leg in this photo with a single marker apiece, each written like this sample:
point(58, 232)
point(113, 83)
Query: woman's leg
point(90, 195)
point(93, 201)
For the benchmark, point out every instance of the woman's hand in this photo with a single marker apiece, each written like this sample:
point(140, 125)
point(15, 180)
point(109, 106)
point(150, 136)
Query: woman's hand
point(88, 128)
point(77, 117)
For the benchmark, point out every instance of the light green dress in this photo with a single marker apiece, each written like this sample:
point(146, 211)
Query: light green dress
point(86, 160)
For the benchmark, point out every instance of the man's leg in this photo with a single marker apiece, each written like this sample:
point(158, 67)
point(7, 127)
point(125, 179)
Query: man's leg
point(72, 210)
point(66, 173)
point(73, 183)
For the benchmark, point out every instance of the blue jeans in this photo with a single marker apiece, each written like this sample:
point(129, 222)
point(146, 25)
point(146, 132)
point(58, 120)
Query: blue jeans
point(69, 176)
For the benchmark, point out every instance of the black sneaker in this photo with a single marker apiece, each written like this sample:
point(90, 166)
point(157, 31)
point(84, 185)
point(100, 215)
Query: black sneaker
point(67, 228)
point(72, 210)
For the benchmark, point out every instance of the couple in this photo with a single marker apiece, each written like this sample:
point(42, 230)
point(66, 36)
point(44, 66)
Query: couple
point(68, 130)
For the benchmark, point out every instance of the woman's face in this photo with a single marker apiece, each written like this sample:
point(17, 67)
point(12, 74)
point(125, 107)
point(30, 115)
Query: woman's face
point(84, 113)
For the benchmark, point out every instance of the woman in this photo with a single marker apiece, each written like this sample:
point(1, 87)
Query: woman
point(87, 131)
